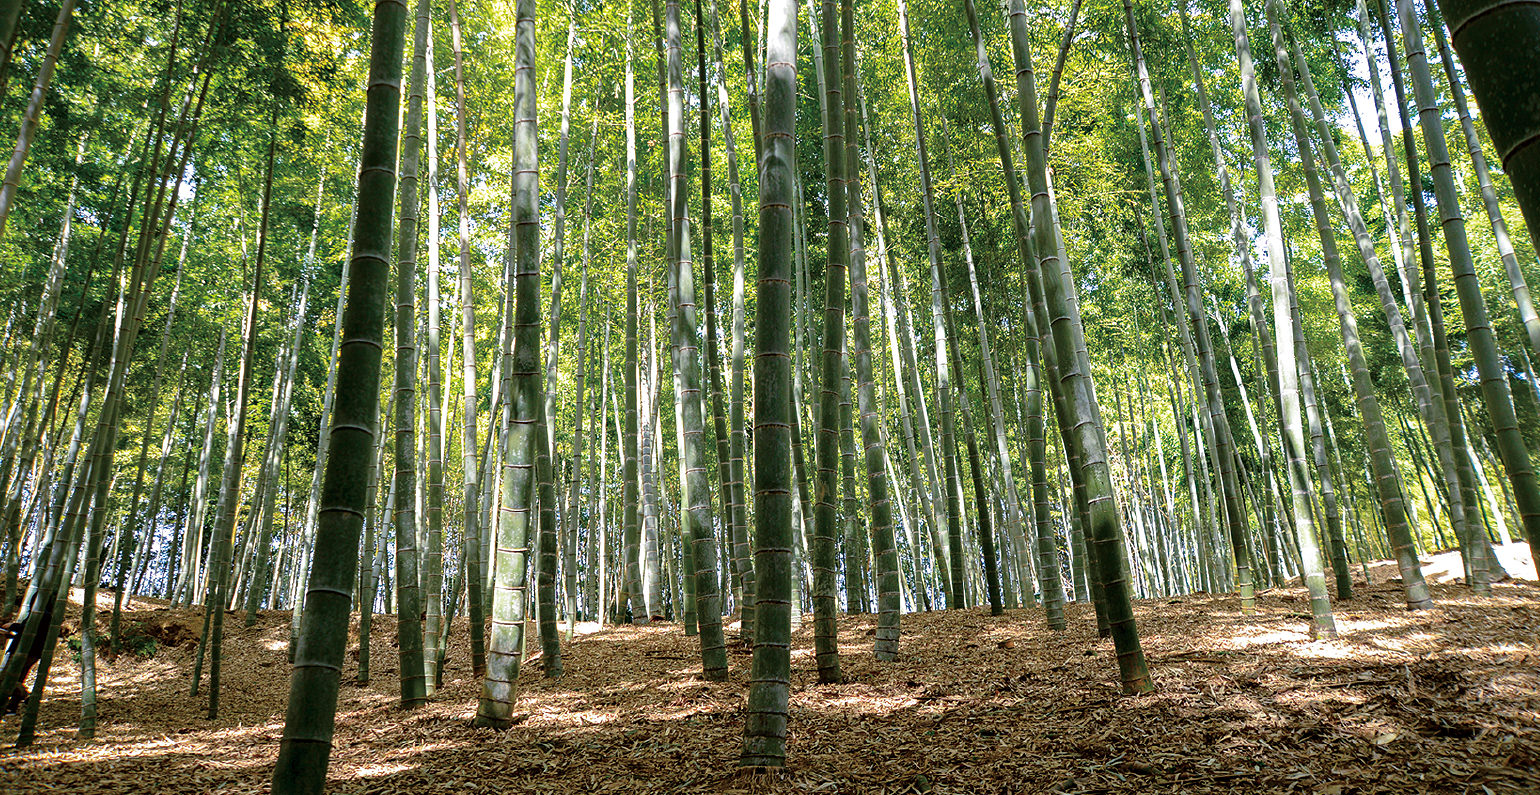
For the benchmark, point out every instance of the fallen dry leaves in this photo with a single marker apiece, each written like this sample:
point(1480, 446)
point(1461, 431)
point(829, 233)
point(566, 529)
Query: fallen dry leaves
point(1445, 700)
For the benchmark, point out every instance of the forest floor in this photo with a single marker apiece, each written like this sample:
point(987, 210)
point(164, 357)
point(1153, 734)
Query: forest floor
point(1442, 700)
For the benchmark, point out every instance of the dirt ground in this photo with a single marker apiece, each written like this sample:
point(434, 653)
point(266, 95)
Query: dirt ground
point(1444, 700)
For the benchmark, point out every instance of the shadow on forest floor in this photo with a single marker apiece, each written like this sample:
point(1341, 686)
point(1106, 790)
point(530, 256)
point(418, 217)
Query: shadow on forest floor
point(1444, 700)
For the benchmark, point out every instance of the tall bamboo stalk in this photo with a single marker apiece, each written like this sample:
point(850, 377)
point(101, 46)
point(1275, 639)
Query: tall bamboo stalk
point(433, 503)
point(696, 501)
point(574, 512)
point(1494, 382)
point(33, 114)
point(764, 731)
point(832, 355)
point(940, 542)
point(743, 562)
point(409, 630)
point(729, 583)
point(1283, 321)
point(884, 548)
point(308, 724)
point(1368, 403)
point(630, 442)
point(521, 451)
point(1088, 435)
point(235, 450)
point(1195, 334)
point(1494, 40)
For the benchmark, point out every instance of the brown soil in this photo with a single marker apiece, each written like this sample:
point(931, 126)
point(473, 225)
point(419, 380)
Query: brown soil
point(1444, 700)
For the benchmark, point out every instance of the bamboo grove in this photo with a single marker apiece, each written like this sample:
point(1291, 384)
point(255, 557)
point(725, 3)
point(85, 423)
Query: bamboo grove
point(512, 315)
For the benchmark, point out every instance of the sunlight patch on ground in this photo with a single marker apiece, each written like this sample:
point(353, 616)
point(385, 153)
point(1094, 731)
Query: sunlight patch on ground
point(1243, 702)
point(381, 769)
point(1266, 639)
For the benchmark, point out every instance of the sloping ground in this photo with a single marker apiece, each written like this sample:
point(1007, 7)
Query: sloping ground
point(1446, 700)
point(1447, 566)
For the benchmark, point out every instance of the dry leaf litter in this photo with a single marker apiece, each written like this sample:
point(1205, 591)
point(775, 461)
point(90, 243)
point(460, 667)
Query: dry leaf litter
point(1443, 700)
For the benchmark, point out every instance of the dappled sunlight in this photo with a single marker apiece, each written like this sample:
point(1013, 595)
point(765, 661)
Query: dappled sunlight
point(1266, 639)
point(1400, 699)
point(375, 771)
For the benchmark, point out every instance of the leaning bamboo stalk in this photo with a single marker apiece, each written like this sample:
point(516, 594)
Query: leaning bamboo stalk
point(33, 114)
point(1511, 446)
point(738, 428)
point(1349, 204)
point(1195, 333)
point(313, 685)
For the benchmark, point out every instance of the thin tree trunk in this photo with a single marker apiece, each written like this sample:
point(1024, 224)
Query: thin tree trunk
point(261, 530)
point(1024, 250)
point(131, 518)
point(743, 562)
point(432, 558)
point(473, 528)
point(940, 542)
point(1088, 434)
point(193, 534)
point(550, 638)
point(369, 562)
point(152, 510)
point(695, 502)
point(1363, 387)
point(1336, 551)
point(409, 630)
point(33, 114)
point(884, 549)
point(630, 441)
point(235, 452)
point(574, 512)
point(1052, 103)
point(832, 356)
point(1283, 321)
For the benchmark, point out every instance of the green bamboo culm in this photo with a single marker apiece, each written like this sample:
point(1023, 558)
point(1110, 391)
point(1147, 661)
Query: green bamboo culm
point(545, 475)
point(832, 360)
point(764, 730)
point(898, 291)
point(1392, 501)
point(738, 437)
point(884, 548)
point(1481, 564)
point(1518, 284)
point(698, 521)
point(1089, 435)
point(948, 546)
point(305, 750)
point(437, 616)
point(1314, 575)
point(1283, 320)
point(409, 634)
point(1047, 547)
point(471, 529)
point(713, 334)
point(510, 586)
point(1495, 41)
point(631, 590)
point(1195, 335)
